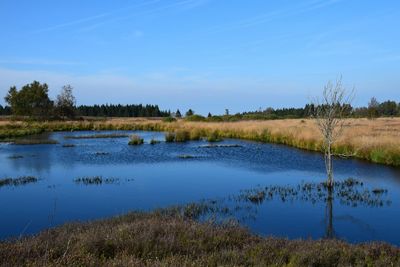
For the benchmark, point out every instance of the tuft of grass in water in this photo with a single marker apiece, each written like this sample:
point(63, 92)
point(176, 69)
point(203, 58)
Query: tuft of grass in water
point(17, 181)
point(102, 153)
point(95, 180)
point(34, 142)
point(154, 141)
point(68, 145)
point(186, 156)
point(214, 136)
point(96, 136)
point(169, 137)
point(135, 140)
point(16, 157)
point(169, 238)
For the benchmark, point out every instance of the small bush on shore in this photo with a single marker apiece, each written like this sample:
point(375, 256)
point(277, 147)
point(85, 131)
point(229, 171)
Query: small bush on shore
point(135, 140)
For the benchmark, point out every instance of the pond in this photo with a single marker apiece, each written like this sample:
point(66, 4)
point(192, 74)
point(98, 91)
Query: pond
point(148, 176)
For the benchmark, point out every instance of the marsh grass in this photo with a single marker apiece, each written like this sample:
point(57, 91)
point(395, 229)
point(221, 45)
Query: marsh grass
point(182, 136)
point(350, 192)
point(170, 238)
point(214, 136)
point(17, 181)
point(135, 140)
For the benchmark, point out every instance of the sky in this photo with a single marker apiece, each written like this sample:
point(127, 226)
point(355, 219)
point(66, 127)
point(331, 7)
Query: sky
point(208, 55)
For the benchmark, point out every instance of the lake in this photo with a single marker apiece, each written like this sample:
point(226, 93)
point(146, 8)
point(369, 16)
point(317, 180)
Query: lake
point(147, 177)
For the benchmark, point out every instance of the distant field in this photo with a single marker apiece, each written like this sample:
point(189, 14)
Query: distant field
point(375, 140)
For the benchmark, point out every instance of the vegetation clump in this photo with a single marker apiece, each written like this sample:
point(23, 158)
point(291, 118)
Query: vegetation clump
point(34, 142)
point(16, 157)
point(17, 181)
point(182, 136)
point(169, 137)
point(221, 145)
point(168, 119)
point(102, 153)
point(214, 136)
point(95, 180)
point(349, 192)
point(68, 145)
point(135, 140)
point(186, 156)
point(195, 117)
point(170, 238)
point(154, 141)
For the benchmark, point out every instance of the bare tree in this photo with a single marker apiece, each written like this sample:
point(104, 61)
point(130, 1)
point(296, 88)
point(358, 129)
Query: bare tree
point(65, 103)
point(330, 111)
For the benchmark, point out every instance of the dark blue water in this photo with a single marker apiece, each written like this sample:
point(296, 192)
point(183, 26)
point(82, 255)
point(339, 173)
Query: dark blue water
point(153, 176)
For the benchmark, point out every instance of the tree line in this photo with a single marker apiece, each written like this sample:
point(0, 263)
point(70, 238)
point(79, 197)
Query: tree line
point(373, 110)
point(33, 100)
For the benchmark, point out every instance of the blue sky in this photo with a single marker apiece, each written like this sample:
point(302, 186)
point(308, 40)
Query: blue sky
point(205, 54)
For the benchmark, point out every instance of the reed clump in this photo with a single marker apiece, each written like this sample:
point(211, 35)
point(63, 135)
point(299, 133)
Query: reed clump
point(135, 140)
point(182, 136)
point(169, 137)
point(154, 141)
point(17, 181)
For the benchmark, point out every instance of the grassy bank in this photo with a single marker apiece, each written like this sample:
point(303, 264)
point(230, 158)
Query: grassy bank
point(373, 140)
point(166, 238)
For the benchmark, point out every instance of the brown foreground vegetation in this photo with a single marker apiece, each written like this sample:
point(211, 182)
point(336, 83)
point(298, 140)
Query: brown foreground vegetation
point(375, 140)
point(167, 238)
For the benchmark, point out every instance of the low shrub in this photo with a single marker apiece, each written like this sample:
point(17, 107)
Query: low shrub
point(168, 119)
point(195, 117)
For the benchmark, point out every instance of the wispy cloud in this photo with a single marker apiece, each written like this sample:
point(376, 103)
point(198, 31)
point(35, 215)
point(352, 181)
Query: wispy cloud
point(39, 62)
point(176, 6)
point(94, 18)
point(148, 7)
point(275, 15)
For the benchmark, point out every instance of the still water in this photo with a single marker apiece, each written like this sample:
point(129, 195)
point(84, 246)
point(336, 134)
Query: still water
point(155, 176)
